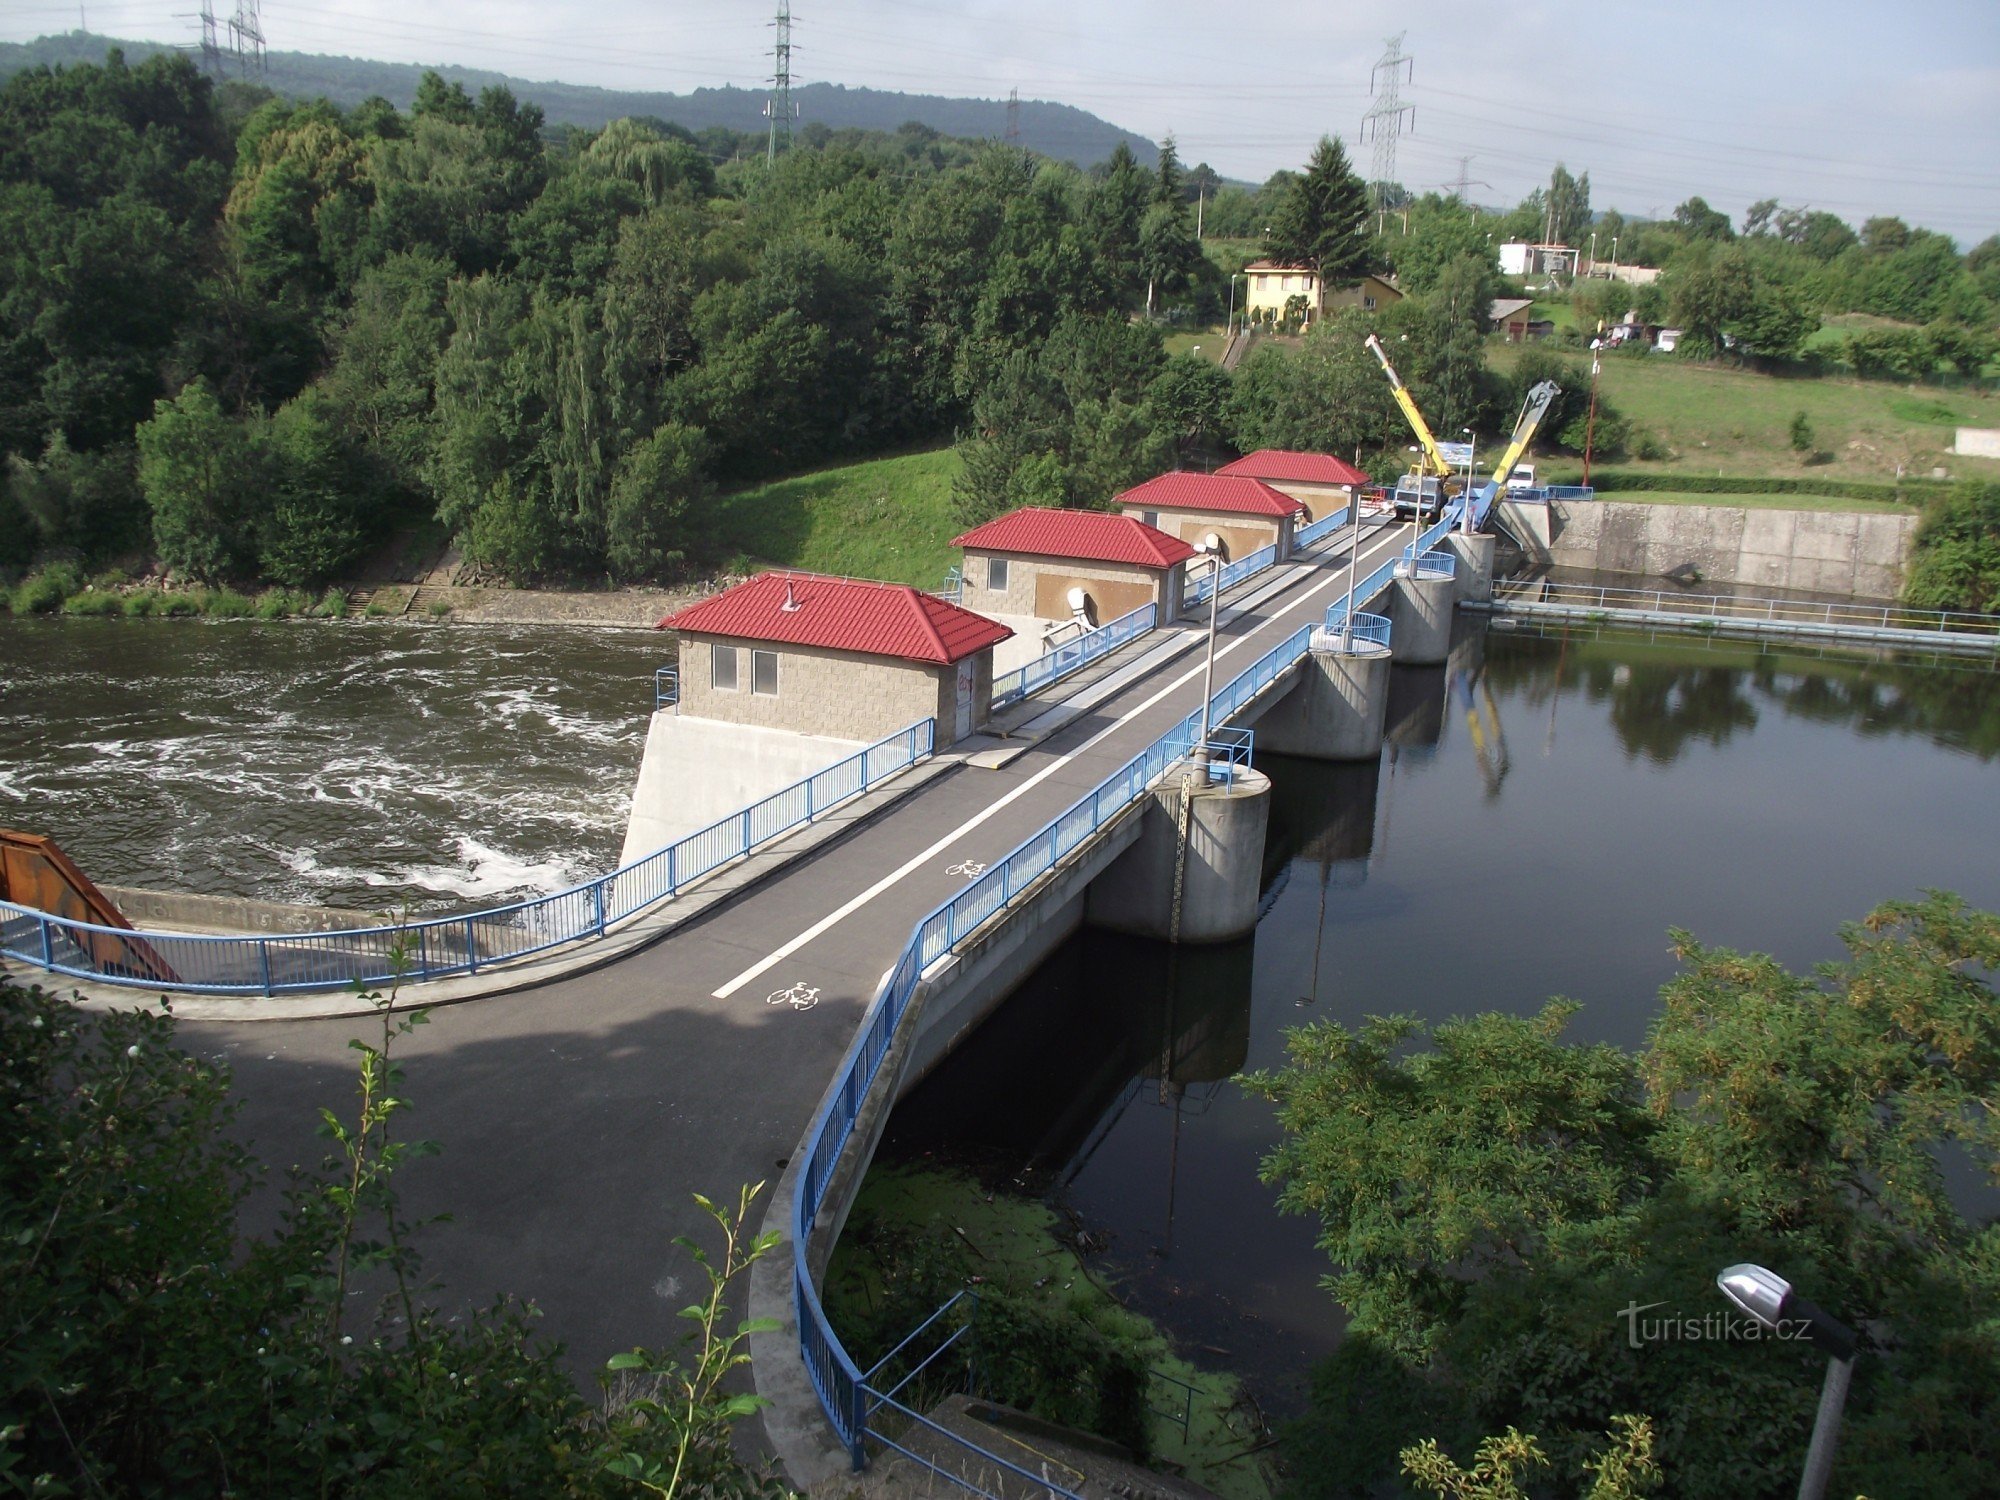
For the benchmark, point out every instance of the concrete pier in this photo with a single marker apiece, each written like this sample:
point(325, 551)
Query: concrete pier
point(1337, 710)
point(1420, 605)
point(1219, 882)
point(1475, 564)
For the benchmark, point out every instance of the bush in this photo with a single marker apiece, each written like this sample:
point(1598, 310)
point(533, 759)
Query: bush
point(1736, 484)
point(94, 603)
point(1804, 440)
point(332, 605)
point(1956, 564)
point(227, 604)
point(44, 592)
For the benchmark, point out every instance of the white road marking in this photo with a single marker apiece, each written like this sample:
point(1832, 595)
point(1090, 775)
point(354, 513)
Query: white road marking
point(971, 869)
point(917, 862)
point(801, 996)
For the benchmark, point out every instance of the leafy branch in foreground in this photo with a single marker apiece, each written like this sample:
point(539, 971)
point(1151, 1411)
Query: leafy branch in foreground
point(146, 1347)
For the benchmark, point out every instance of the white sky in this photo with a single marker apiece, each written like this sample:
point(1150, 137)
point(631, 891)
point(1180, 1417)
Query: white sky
point(1859, 109)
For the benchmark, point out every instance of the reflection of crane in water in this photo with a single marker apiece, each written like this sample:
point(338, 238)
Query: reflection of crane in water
point(1482, 722)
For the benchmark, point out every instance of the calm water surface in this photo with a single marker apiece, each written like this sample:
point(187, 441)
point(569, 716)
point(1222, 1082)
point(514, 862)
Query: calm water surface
point(359, 764)
point(1547, 809)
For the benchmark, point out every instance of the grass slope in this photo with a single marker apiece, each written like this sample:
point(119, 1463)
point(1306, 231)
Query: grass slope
point(887, 518)
point(1715, 419)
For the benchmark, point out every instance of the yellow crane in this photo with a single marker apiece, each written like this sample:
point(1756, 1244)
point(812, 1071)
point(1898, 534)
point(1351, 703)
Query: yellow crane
point(1437, 465)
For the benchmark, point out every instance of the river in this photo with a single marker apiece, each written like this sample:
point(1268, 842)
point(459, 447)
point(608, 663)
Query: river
point(1615, 787)
point(377, 766)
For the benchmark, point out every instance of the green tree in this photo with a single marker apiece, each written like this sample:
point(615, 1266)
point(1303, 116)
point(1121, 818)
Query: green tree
point(315, 514)
point(1329, 397)
point(1709, 292)
point(1189, 397)
point(1500, 1205)
point(1698, 221)
point(1568, 206)
point(199, 470)
point(657, 502)
point(1804, 439)
point(1323, 221)
point(1956, 560)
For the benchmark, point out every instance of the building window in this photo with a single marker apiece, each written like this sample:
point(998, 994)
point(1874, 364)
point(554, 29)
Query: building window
point(1149, 518)
point(764, 673)
point(722, 668)
point(996, 574)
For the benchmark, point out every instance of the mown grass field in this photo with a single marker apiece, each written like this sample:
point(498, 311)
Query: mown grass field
point(1713, 419)
point(887, 518)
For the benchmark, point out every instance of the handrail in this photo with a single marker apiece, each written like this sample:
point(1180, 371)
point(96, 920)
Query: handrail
point(666, 688)
point(1427, 565)
point(466, 942)
point(839, 1384)
point(1366, 629)
point(1231, 574)
point(1071, 656)
point(1728, 606)
point(1324, 526)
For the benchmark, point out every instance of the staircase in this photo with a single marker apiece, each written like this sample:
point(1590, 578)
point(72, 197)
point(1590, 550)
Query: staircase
point(358, 600)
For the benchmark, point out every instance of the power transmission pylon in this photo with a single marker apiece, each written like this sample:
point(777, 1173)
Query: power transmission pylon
point(246, 38)
point(1013, 117)
point(1383, 124)
point(211, 48)
point(779, 106)
point(1465, 180)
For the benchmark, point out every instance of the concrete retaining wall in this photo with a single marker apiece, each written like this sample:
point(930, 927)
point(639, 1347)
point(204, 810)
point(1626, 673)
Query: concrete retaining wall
point(181, 911)
point(1826, 552)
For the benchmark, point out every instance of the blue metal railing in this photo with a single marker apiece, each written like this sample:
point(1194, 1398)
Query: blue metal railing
point(842, 1389)
point(1427, 565)
point(1055, 665)
point(1324, 526)
point(666, 688)
point(1230, 574)
point(1367, 629)
point(438, 946)
point(953, 587)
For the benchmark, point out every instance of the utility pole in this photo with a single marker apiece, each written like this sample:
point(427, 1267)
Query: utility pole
point(1013, 117)
point(1383, 124)
point(779, 106)
point(1466, 180)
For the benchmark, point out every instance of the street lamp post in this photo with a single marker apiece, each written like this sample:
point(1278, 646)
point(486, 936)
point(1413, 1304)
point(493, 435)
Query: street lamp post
point(1769, 1298)
point(1593, 253)
point(1230, 326)
point(1201, 758)
point(1590, 424)
point(1471, 469)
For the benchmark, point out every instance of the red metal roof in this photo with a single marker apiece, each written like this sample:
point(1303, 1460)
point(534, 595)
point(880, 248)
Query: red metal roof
point(842, 614)
point(1095, 535)
point(1302, 468)
point(1210, 492)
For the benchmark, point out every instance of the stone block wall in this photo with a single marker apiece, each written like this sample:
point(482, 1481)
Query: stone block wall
point(1033, 579)
point(843, 695)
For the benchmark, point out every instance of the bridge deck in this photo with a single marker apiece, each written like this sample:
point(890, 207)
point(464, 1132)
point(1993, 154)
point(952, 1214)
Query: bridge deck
point(577, 1118)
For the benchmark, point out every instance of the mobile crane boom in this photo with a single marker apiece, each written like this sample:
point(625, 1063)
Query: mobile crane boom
point(1438, 465)
point(1533, 409)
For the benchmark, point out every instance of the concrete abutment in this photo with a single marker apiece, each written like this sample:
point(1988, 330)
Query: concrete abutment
point(1338, 708)
point(1420, 608)
point(1220, 879)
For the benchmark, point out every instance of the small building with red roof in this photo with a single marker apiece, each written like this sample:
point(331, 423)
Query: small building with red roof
point(1318, 481)
point(1232, 513)
point(1040, 570)
point(841, 658)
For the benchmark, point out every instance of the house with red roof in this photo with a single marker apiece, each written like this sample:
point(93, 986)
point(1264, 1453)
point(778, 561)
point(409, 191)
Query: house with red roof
point(1318, 481)
point(838, 658)
point(1043, 570)
point(1228, 513)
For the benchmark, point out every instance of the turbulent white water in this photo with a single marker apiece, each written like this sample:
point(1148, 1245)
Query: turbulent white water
point(369, 765)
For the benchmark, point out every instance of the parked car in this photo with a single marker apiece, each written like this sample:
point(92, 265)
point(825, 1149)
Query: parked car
point(1522, 479)
point(1667, 341)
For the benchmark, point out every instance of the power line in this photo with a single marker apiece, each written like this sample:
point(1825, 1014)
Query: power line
point(779, 106)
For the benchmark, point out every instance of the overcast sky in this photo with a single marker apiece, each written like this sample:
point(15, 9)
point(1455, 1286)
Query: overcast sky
point(1857, 108)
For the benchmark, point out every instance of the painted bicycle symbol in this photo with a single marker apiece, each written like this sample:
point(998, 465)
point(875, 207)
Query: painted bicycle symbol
point(801, 996)
point(971, 869)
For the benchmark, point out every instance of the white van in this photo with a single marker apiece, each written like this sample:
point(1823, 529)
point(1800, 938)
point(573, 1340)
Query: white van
point(1522, 479)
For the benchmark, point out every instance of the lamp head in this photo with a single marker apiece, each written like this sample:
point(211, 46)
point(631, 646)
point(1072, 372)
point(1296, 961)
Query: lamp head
point(1758, 1292)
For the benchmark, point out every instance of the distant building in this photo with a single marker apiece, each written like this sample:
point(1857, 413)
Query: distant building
point(1051, 574)
point(1521, 259)
point(1318, 481)
point(1225, 512)
point(835, 657)
point(1269, 287)
point(1509, 315)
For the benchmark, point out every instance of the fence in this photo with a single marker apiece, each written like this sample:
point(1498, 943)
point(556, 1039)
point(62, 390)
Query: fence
point(439, 946)
point(843, 1391)
point(1231, 574)
point(1055, 665)
point(666, 688)
point(1324, 526)
point(1803, 613)
point(1427, 565)
point(1365, 629)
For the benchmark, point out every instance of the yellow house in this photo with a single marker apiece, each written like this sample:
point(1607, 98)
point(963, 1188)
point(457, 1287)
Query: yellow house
point(1269, 288)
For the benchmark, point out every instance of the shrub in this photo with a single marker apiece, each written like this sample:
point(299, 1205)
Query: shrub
point(227, 604)
point(332, 605)
point(44, 592)
point(1804, 440)
point(95, 603)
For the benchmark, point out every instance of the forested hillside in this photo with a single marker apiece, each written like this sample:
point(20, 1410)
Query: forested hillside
point(1060, 131)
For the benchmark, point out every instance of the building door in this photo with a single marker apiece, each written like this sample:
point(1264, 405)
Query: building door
point(963, 698)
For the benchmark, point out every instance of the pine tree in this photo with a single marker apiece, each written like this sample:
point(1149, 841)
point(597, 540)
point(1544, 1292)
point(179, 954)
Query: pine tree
point(1323, 222)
